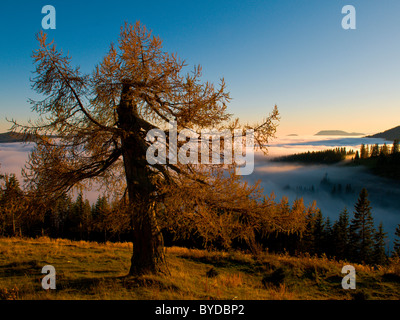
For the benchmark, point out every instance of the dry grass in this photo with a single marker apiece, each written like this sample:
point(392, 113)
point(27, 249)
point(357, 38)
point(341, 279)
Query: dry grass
point(89, 270)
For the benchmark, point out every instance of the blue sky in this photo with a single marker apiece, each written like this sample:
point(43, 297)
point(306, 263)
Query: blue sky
point(293, 53)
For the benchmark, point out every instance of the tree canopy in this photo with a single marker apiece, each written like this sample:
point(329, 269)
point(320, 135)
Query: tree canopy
point(92, 128)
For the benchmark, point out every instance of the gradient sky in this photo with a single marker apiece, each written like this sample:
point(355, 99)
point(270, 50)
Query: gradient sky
point(293, 53)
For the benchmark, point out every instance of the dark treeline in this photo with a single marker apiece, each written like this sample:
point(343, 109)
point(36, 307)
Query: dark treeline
point(336, 189)
point(383, 160)
point(65, 218)
point(352, 237)
point(325, 156)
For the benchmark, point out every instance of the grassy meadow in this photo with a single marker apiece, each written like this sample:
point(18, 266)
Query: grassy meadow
point(90, 271)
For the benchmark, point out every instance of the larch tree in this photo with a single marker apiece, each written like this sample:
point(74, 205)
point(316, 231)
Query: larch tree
point(92, 128)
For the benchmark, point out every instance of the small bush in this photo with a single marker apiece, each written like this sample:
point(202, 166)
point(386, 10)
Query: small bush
point(276, 278)
point(361, 295)
point(9, 294)
point(391, 277)
point(212, 272)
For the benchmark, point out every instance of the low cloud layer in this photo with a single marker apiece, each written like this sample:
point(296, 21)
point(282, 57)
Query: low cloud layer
point(297, 180)
point(13, 157)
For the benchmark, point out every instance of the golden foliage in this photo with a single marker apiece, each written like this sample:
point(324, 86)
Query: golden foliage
point(93, 127)
point(219, 207)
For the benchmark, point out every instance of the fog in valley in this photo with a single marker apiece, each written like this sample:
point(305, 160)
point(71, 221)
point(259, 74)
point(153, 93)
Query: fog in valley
point(333, 187)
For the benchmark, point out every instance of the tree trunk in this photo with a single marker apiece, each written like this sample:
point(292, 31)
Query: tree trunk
point(13, 223)
point(148, 245)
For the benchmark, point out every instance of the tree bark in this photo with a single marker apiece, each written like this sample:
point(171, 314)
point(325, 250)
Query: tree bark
point(148, 245)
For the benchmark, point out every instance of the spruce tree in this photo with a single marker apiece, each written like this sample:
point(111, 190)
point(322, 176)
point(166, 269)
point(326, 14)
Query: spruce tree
point(384, 150)
point(362, 229)
point(396, 246)
point(379, 255)
point(341, 234)
point(328, 238)
point(357, 156)
point(363, 152)
point(81, 210)
point(395, 148)
point(318, 236)
point(100, 212)
point(11, 206)
point(62, 208)
point(375, 150)
point(307, 243)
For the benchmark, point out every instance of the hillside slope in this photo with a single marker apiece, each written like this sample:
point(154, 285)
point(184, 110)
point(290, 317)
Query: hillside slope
point(93, 271)
point(9, 137)
point(391, 134)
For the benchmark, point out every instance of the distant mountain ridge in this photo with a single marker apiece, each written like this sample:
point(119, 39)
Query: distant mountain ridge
point(391, 134)
point(9, 137)
point(337, 133)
